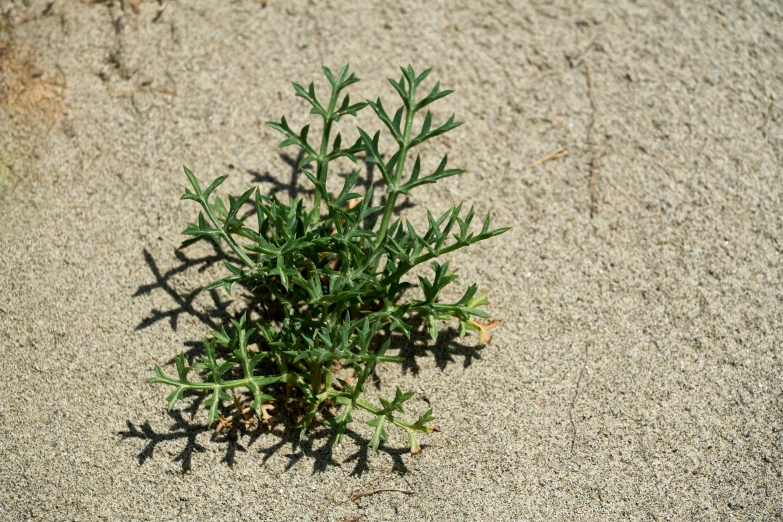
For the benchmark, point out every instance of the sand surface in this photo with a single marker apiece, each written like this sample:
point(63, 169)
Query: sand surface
point(637, 374)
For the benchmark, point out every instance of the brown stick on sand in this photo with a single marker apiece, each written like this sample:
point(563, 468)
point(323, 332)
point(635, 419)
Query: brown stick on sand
point(559, 153)
point(357, 496)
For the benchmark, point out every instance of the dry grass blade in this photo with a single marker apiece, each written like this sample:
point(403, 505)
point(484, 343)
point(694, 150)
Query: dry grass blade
point(357, 496)
point(559, 153)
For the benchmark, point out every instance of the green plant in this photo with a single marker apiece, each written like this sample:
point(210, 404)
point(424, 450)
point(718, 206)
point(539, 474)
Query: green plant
point(338, 277)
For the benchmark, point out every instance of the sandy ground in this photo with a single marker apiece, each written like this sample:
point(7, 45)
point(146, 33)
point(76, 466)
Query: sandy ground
point(637, 373)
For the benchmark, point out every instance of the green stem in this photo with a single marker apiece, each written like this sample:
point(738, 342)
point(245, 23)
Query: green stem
point(401, 423)
point(389, 210)
point(315, 380)
point(323, 165)
point(227, 385)
point(230, 240)
point(328, 378)
point(405, 267)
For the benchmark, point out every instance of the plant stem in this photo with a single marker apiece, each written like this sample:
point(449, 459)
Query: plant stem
point(377, 411)
point(315, 380)
point(389, 210)
point(230, 240)
point(405, 267)
point(234, 383)
point(323, 165)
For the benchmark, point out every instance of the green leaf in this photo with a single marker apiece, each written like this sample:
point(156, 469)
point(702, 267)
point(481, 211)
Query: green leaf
point(413, 444)
point(213, 403)
point(440, 173)
point(379, 435)
point(193, 183)
point(425, 418)
point(433, 327)
point(427, 134)
point(400, 88)
point(175, 397)
point(393, 127)
point(182, 369)
point(215, 184)
point(434, 95)
point(329, 75)
point(375, 155)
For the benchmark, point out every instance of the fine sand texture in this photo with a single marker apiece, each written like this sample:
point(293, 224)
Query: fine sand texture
point(637, 373)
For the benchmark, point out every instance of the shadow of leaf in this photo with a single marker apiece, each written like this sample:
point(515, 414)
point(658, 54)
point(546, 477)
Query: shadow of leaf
point(240, 441)
point(180, 430)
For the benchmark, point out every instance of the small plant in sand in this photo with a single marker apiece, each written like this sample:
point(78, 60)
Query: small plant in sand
point(335, 271)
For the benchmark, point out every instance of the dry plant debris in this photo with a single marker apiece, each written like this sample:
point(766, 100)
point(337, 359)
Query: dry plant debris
point(357, 496)
point(558, 153)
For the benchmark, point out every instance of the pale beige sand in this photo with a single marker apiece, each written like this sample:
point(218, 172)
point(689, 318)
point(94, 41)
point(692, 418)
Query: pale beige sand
point(637, 373)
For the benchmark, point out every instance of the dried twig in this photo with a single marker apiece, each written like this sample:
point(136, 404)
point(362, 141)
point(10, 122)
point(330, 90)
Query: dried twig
point(323, 509)
point(559, 153)
point(357, 496)
point(593, 145)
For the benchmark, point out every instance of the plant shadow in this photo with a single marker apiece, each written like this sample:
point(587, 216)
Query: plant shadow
point(293, 187)
point(296, 448)
point(445, 350)
point(183, 301)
